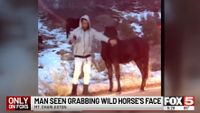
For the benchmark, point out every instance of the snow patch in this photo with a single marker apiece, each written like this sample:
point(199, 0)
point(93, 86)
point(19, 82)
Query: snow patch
point(139, 15)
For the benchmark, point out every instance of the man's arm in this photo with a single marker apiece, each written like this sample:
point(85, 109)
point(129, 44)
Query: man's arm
point(72, 38)
point(101, 37)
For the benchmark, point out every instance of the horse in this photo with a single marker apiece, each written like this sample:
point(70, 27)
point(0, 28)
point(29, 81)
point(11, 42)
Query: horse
point(71, 23)
point(132, 49)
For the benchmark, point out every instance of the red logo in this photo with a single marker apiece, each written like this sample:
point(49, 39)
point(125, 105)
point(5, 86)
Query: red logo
point(18, 103)
point(189, 101)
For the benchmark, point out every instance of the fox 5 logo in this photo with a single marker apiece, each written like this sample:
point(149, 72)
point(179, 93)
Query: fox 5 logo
point(179, 101)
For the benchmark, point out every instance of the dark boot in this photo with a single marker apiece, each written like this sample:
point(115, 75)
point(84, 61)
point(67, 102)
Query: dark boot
point(85, 90)
point(74, 90)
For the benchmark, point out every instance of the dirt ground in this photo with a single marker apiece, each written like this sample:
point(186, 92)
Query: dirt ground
point(153, 91)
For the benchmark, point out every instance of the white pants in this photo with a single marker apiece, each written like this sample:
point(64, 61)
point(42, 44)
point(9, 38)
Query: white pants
point(85, 64)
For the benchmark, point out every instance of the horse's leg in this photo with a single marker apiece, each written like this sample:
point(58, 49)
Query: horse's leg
point(143, 67)
point(145, 74)
point(110, 73)
point(117, 74)
point(146, 71)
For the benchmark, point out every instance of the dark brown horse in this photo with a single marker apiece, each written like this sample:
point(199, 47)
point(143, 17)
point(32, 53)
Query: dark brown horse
point(133, 49)
point(71, 23)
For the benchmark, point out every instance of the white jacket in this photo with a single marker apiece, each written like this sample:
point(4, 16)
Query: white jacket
point(84, 39)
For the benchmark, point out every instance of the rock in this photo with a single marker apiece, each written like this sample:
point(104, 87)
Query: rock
point(50, 46)
point(45, 37)
point(65, 55)
point(40, 66)
point(62, 52)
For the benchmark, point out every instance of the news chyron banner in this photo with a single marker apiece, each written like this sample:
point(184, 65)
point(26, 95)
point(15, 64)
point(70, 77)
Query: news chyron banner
point(57, 103)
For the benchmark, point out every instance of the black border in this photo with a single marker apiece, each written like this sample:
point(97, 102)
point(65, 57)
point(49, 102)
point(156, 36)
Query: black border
point(162, 50)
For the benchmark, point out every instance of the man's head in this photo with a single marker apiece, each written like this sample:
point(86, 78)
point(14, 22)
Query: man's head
point(111, 31)
point(85, 24)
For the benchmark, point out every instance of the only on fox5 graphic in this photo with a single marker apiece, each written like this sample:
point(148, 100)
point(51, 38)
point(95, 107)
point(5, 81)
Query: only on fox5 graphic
point(179, 101)
point(14, 103)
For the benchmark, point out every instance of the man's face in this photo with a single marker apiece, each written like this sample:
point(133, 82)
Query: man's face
point(85, 24)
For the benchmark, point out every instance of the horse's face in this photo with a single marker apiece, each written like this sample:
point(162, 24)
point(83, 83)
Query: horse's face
point(111, 32)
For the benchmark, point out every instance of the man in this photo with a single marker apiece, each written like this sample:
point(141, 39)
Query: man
point(81, 38)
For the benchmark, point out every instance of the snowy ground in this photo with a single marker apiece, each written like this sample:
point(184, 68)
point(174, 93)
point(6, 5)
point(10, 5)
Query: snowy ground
point(55, 70)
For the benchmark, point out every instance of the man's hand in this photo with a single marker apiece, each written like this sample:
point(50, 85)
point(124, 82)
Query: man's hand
point(113, 42)
point(71, 41)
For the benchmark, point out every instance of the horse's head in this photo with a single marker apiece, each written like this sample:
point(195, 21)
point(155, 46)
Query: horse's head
point(111, 32)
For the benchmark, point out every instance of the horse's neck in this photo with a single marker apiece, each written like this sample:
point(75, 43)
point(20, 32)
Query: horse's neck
point(105, 45)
